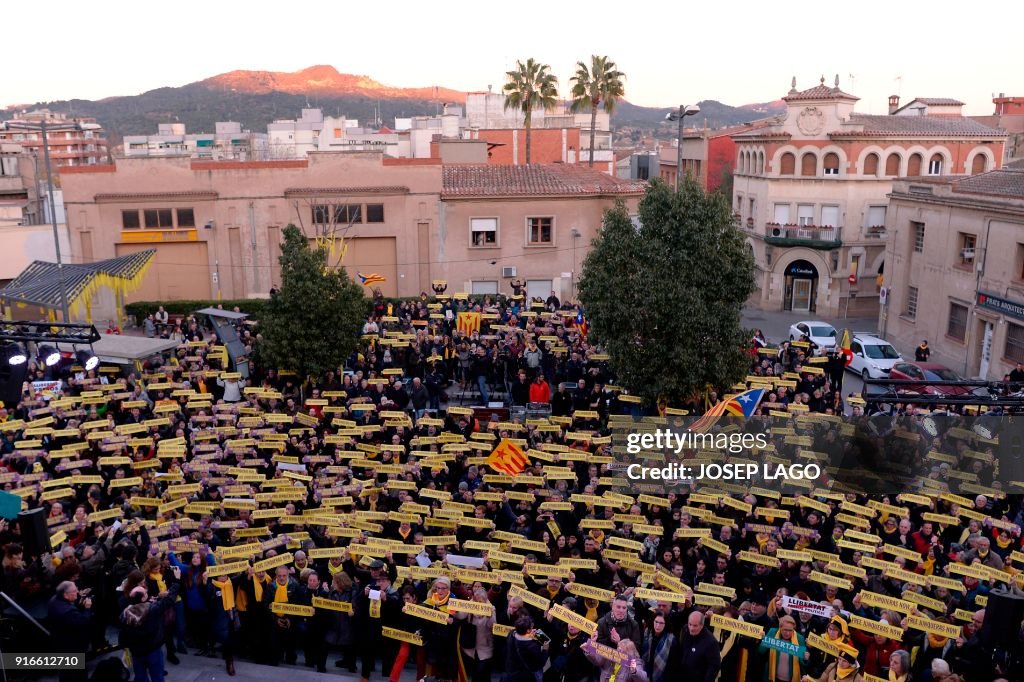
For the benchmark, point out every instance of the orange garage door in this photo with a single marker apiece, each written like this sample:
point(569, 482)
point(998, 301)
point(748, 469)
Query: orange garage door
point(178, 272)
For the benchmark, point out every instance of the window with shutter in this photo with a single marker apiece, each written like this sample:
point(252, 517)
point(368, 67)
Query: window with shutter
point(876, 216)
point(831, 164)
point(782, 214)
point(809, 165)
point(892, 165)
point(871, 164)
point(914, 165)
point(830, 216)
point(787, 164)
point(978, 165)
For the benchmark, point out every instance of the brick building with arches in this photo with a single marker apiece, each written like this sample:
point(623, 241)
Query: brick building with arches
point(811, 191)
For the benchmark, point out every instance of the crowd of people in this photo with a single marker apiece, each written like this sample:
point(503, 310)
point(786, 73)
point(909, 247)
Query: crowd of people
point(352, 521)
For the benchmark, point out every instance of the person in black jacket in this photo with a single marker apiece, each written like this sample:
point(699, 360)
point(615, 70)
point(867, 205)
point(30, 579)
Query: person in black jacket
point(70, 619)
point(525, 655)
point(142, 629)
point(699, 653)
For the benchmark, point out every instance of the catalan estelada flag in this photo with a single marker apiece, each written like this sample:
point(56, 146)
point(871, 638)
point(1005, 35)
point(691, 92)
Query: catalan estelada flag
point(507, 458)
point(467, 323)
point(581, 323)
point(371, 279)
point(742, 405)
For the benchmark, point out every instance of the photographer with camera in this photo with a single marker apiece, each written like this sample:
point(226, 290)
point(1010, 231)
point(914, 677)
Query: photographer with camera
point(527, 652)
point(143, 628)
point(70, 617)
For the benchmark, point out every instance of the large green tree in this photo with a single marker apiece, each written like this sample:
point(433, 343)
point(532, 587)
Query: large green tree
point(313, 322)
point(594, 86)
point(664, 296)
point(529, 86)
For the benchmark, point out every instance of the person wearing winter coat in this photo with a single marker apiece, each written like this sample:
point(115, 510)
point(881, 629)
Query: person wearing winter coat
point(568, 660)
point(628, 668)
point(70, 619)
point(142, 628)
point(525, 656)
point(224, 622)
point(476, 641)
point(660, 651)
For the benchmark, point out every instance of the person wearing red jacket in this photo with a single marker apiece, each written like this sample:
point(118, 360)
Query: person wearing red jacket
point(877, 650)
point(540, 391)
point(923, 539)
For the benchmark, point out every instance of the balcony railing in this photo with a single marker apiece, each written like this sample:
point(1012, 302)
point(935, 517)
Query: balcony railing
point(813, 236)
point(875, 232)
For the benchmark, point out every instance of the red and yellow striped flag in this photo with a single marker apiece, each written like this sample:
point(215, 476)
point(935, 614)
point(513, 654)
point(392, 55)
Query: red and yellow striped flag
point(508, 458)
point(467, 323)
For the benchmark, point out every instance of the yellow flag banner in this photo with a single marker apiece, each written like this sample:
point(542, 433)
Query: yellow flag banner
point(508, 458)
point(572, 618)
point(332, 605)
point(433, 615)
point(402, 636)
point(283, 609)
point(737, 626)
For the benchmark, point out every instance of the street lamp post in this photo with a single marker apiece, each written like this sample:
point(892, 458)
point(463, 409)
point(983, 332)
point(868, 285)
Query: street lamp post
point(41, 127)
point(576, 234)
point(684, 111)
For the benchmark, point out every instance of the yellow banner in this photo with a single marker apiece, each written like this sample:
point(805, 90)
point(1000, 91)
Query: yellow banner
point(738, 626)
point(572, 618)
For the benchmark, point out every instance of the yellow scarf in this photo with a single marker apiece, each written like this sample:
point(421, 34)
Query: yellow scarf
point(334, 570)
point(1003, 544)
point(773, 661)
point(591, 614)
point(227, 594)
point(894, 678)
point(257, 587)
point(281, 593)
point(161, 586)
point(615, 671)
point(843, 673)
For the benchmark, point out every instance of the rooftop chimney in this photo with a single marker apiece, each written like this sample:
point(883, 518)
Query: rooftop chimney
point(894, 104)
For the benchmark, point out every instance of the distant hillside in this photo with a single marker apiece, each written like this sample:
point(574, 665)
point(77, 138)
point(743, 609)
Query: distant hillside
point(255, 98)
point(715, 114)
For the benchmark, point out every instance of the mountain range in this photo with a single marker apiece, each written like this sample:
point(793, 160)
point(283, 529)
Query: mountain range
point(255, 98)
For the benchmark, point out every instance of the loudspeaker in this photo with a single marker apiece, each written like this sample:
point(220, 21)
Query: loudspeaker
point(1010, 451)
point(1003, 616)
point(12, 380)
point(34, 535)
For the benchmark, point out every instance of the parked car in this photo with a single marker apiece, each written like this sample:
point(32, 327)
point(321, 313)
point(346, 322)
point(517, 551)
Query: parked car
point(821, 334)
point(873, 358)
point(927, 371)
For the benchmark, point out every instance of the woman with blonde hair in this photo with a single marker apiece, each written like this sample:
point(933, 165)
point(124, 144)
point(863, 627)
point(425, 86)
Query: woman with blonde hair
point(626, 667)
point(440, 640)
point(476, 641)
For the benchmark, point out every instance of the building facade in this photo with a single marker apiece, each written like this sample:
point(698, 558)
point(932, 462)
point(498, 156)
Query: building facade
point(73, 141)
point(216, 226)
point(811, 193)
point(957, 251)
point(228, 142)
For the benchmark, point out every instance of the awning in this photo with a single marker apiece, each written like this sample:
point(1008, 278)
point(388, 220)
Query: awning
point(40, 283)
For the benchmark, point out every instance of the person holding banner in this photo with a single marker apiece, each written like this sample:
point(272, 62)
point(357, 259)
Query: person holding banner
point(786, 649)
point(476, 641)
point(844, 669)
point(621, 664)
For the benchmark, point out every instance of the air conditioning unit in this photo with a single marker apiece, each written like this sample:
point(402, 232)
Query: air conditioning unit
point(508, 271)
point(967, 254)
point(776, 231)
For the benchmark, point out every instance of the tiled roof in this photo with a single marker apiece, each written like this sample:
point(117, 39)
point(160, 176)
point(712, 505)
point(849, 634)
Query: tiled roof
point(1003, 182)
point(939, 101)
point(1015, 165)
point(820, 91)
point(473, 180)
point(354, 189)
point(919, 125)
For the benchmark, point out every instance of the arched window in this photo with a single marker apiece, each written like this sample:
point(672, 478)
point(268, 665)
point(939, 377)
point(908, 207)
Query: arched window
point(871, 164)
point(935, 165)
point(787, 164)
point(914, 165)
point(809, 164)
point(743, 163)
point(831, 164)
point(892, 165)
point(978, 164)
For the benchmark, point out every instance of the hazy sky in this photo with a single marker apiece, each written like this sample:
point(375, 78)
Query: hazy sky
point(673, 53)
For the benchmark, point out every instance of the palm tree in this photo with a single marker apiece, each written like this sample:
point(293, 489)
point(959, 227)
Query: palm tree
point(599, 84)
point(530, 85)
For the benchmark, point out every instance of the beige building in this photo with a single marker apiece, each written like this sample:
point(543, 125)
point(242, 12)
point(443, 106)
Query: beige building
point(216, 225)
point(957, 251)
point(811, 191)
